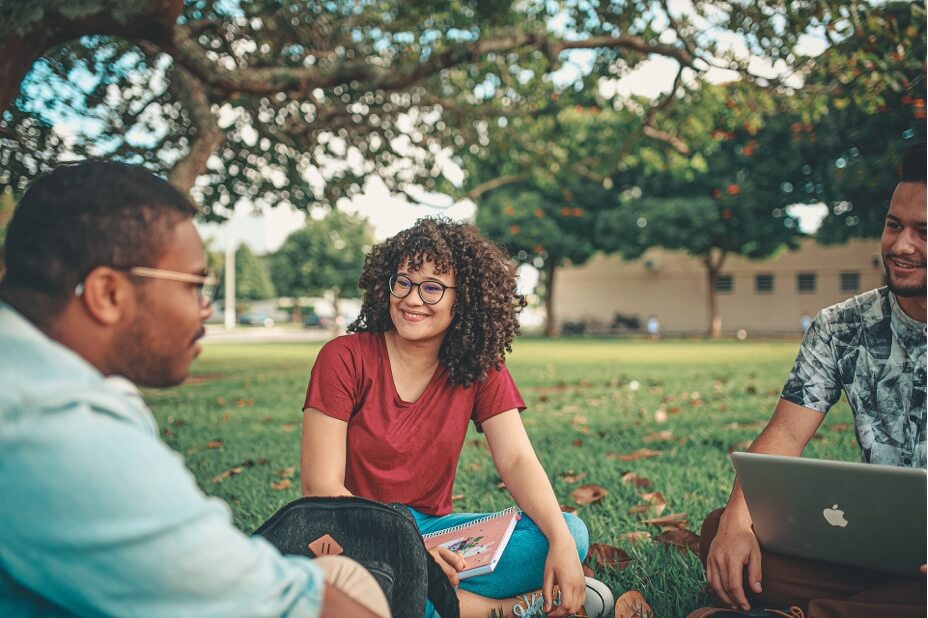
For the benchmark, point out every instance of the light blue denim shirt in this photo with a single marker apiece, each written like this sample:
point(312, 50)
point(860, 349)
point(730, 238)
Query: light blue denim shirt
point(99, 517)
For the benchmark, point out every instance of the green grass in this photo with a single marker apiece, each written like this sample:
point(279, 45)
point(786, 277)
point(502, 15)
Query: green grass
point(715, 395)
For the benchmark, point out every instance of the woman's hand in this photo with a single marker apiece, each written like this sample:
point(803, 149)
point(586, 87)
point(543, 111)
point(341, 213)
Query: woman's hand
point(562, 567)
point(450, 562)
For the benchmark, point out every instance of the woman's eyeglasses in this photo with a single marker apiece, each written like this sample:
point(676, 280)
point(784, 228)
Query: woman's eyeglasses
point(431, 292)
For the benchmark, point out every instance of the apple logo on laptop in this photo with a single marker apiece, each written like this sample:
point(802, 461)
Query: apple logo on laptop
point(835, 516)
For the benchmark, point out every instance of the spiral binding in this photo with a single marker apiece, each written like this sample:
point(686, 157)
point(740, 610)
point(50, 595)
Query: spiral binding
point(511, 509)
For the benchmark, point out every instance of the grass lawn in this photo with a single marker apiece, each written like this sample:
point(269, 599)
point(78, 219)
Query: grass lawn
point(237, 422)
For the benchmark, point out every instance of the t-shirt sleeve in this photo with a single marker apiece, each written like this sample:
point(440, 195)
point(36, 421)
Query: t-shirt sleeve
point(496, 394)
point(333, 382)
point(814, 381)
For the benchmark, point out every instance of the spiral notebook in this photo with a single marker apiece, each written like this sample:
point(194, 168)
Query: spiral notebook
point(480, 542)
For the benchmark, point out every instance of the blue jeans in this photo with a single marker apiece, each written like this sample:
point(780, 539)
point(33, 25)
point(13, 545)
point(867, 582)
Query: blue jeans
point(521, 568)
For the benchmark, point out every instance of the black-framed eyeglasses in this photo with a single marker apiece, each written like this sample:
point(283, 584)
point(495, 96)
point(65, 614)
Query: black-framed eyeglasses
point(431, 292)
point(206, 283)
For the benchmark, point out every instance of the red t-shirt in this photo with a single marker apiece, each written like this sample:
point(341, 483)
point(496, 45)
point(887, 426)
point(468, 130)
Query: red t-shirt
point(399, 451)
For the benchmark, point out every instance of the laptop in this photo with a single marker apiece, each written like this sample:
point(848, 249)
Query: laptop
point(857, 514)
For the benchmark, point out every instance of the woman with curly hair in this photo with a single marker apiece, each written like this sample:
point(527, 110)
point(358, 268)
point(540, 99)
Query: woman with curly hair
point(387, 410)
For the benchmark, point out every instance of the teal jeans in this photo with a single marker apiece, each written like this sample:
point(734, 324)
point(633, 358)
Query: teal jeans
point(521, 568)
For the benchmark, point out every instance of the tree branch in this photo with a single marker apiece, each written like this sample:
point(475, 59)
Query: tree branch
point(192, 94)
point(490, 185)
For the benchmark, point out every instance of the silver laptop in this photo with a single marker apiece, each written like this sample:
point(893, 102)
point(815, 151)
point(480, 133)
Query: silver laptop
point(857, 514)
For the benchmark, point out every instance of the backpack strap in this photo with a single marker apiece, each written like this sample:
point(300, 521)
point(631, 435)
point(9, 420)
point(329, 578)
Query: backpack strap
point(441, 592)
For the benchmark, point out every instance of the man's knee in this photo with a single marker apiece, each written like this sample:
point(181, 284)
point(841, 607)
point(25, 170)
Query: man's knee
point(710, 527)
point(354, 581)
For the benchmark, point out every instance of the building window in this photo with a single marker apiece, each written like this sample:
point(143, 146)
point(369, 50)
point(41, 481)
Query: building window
point(805, 283)
point(850, 282)
point(763, 284)
point(725, 283)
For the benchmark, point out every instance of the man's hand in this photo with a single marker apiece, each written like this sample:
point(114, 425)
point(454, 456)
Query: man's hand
point(734, 547)
point(450, 562)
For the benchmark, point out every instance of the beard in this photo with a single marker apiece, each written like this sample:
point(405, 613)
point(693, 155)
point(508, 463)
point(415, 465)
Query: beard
point(908, 289)
point(151, 354)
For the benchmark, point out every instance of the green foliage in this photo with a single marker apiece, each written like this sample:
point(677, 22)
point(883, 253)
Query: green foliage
point(325, 255)
point(581, 407)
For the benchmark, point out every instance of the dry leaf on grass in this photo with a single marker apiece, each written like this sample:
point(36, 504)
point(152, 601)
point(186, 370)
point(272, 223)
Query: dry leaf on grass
point(680, 538)
point(660, 436)
point(607, 556)
point(287, 472)
point(656, 503)
point(841, 427)
point(568, 509)
point(630, 478)
point(281, 485)
point(588, 571)
point(244, 403)
point(501, 485)
point(577, 442)
point(214, 444)
point(674, 520)
point(740, 446)
point(573, 477)
point(457, 497)
point(642, 453)
point(226, 474)
point(588, 494)
point(288, 427)
point(635, 537)
point(632, 604)
point(578, 420)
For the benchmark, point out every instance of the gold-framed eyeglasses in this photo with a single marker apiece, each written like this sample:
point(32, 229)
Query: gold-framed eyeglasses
point(205, 283)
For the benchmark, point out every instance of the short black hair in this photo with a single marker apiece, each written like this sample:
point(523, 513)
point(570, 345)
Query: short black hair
point(81, 216)
point(913, 164)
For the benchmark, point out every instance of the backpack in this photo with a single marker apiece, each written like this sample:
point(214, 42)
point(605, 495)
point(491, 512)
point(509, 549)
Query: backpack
point(382, 537)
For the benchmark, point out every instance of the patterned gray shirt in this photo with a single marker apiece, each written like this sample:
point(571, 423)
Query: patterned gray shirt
point(871, 349)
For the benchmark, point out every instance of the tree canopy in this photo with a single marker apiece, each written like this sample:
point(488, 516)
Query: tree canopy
point(278, 100)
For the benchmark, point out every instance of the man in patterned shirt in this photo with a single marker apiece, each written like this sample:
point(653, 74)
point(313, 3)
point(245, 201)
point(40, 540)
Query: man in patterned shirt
point(872, 347)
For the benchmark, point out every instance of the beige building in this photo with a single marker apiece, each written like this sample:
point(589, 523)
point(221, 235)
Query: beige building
point(764, 297)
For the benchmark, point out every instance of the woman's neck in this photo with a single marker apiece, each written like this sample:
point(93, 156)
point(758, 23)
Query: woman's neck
point(414, 355)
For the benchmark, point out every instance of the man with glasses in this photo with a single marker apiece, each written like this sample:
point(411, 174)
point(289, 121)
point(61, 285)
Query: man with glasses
point(105, 288)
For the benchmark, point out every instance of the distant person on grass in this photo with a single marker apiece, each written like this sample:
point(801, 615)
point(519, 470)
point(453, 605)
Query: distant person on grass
point(106, 288)
point(873, 348)
point(387, 409)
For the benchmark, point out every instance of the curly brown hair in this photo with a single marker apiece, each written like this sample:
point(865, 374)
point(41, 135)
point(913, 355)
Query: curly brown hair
point(487, 305)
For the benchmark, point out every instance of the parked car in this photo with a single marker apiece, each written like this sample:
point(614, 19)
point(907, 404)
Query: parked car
point(255, 319)
point(312, 320)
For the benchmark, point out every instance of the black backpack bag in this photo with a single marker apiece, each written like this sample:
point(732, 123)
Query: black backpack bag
point(382, 537)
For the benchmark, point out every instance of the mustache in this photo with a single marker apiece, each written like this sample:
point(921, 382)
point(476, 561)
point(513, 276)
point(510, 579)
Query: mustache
point(903, 260)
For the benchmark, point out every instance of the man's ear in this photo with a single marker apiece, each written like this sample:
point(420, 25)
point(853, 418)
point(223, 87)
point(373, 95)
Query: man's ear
point(107, 295)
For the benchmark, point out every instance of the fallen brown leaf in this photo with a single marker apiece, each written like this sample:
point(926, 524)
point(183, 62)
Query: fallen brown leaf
point(632, 604)
point(214, 444)
point(287, 472)
point(630, 478)
point(474, 466)
point(288, 427)
point(635, 537)
point(607, 556)
point(579, 420)
point(660, 436)
point(740, 446)
point(682, 539)
point(675, 520)
point(226, 474)
point(501, 485)
point(457, 497)
point(568, 509)
point(244, 403)
point(281, 485)
point(642, 453)
point(572, 477)
point(588, 494)
point(841, 427)
point(588, 571)
point(577, 442)
point(263, 461)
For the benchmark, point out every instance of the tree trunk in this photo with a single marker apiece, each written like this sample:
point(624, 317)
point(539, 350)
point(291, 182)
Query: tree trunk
point(713, 267)
point(21, 44)
point(550, 322)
